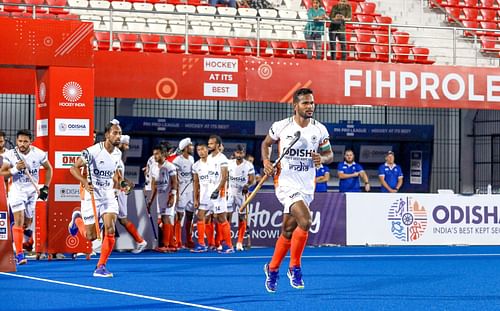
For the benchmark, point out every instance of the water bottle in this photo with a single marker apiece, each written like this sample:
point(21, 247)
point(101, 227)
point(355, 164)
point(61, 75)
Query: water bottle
point(489, 189)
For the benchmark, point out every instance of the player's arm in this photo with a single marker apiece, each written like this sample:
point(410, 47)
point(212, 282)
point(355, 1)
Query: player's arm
point(251, 181)
point(343, 175)
point(7, 170)
point(265, 150)
point(76, 171)
point(48, 173)
point(154, 190)
point(324, 154)
point(224, 177)
point(324, 178)
point(400, 183)
point(384, 184)
point(196, 191)
point(364, 178)
point(174, 185)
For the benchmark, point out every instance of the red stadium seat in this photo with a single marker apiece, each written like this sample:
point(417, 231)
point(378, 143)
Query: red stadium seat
point(488, 44)
point(216, 46)
point(489, 15)
point(38, 10)
point(382, 53)
point(452, 3)
point(262, 48)
point(421, 56)
point(128, 41)
point(381, 36)
point(471, 14)
point(453, 14)
point(280, 49)
point(103, 42)
point(385, 20)
point(328, 5)
point(364, 19)
point(401, 38)
point(364, 53)
point(470, 3)
point(174, 44)
point(363, 36)
point(150, 43)
point(401, 54)
point(13, 8)
point(367, 8)
point(470, 24)
point(489, 26)
point(57, 11)
point(299, 49)
point(195, 45)
point(238, 46)
point(487, 3)
point(307, 3)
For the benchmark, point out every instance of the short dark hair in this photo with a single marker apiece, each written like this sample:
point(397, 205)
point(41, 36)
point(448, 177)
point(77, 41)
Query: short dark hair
point(240, 148)
point(201, 145)
point(301, 92)
point(348, 150)
point(2, 134)
point(159, 147)
point(217, 138)
point(24, 132)
point(108, 127)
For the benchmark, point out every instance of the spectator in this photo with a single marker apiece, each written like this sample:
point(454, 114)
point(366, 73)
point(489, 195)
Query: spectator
point(256, 4)
point(390, 174)
point(231, 3)
point(314, 29)
point(322, 178)
point(349, 173)
point(340, 13)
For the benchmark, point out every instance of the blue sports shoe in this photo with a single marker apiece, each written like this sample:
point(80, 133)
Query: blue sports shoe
point(226, 250)
point(295, 276)
point(72, 228)
point(21, 260)
point(271, 279)
point(199, 249)
point(102, 272)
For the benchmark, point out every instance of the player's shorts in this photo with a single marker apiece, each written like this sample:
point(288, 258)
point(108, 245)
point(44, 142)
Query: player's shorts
point(103, 206)
point(219, 205)
point(287, 196)
point(234, 202)
point(22, 200)
point(162, 204)
point(122, 204)
point(185, 202)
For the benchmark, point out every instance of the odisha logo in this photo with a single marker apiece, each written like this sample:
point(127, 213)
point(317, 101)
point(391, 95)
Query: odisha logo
point(63, 126)
point(408, 219)
point(72, 91)
point(42, 92)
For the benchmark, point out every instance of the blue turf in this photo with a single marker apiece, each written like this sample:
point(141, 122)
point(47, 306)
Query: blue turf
point(339, 278)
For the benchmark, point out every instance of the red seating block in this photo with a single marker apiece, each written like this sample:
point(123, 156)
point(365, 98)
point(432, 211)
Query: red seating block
point(174, 44)
point(421, 56)
point(150, 43)
point(216, 46)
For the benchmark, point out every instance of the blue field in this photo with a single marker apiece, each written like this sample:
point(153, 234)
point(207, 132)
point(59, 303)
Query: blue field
point(337, 278)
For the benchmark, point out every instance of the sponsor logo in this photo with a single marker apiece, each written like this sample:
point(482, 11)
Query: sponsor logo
point(66, 159)
point(42, 92)
point(72, 91)
point(303, 153)
point(42, 127)
point(67, 193)
point(220, 64)
point(72, 127)
point(407, 219)
point(299, 167)
point(3, 226)
point(103, 173)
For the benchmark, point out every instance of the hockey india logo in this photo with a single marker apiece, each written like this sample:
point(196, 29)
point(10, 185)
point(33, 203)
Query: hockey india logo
point(407, 219)
point(72, 91)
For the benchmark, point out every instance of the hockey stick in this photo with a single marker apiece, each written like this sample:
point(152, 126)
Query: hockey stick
point(88, 158)
point(149, 215)
point(296, 137)
point(27, 171)
point(247, 220)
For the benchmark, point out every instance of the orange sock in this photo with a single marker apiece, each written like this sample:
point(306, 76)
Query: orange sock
point(219, 236)
point(167, 234)
point(201, 232)
point(133, 232)
point(178, 233)
point(280, 250)
point(171, 235)
point(242, 227)
point(210, 234)
point(299, 241)
point(18, 235)
point(107, 247)
point(226, 233)
point(81, 226)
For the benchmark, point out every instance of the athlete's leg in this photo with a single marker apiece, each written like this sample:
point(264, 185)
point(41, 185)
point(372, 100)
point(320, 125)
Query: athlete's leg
point(300, 212)
point(178, 228)
point(187, 228)
point(109, 237)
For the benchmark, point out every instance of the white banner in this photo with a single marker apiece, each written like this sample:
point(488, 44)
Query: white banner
point(72, 127)
point(135, 148)
point(67, 193)
point(373, 154)
point(66, 159)
point(422, 219)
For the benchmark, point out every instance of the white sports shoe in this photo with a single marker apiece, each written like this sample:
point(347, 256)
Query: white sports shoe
point(140, 247)
point(239, 246)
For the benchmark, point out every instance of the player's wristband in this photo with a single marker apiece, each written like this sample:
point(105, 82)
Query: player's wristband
point(13, 171)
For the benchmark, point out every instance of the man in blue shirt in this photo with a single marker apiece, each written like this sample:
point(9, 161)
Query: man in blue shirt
point(390, 174)
point(322, 178)
point(349, 173)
